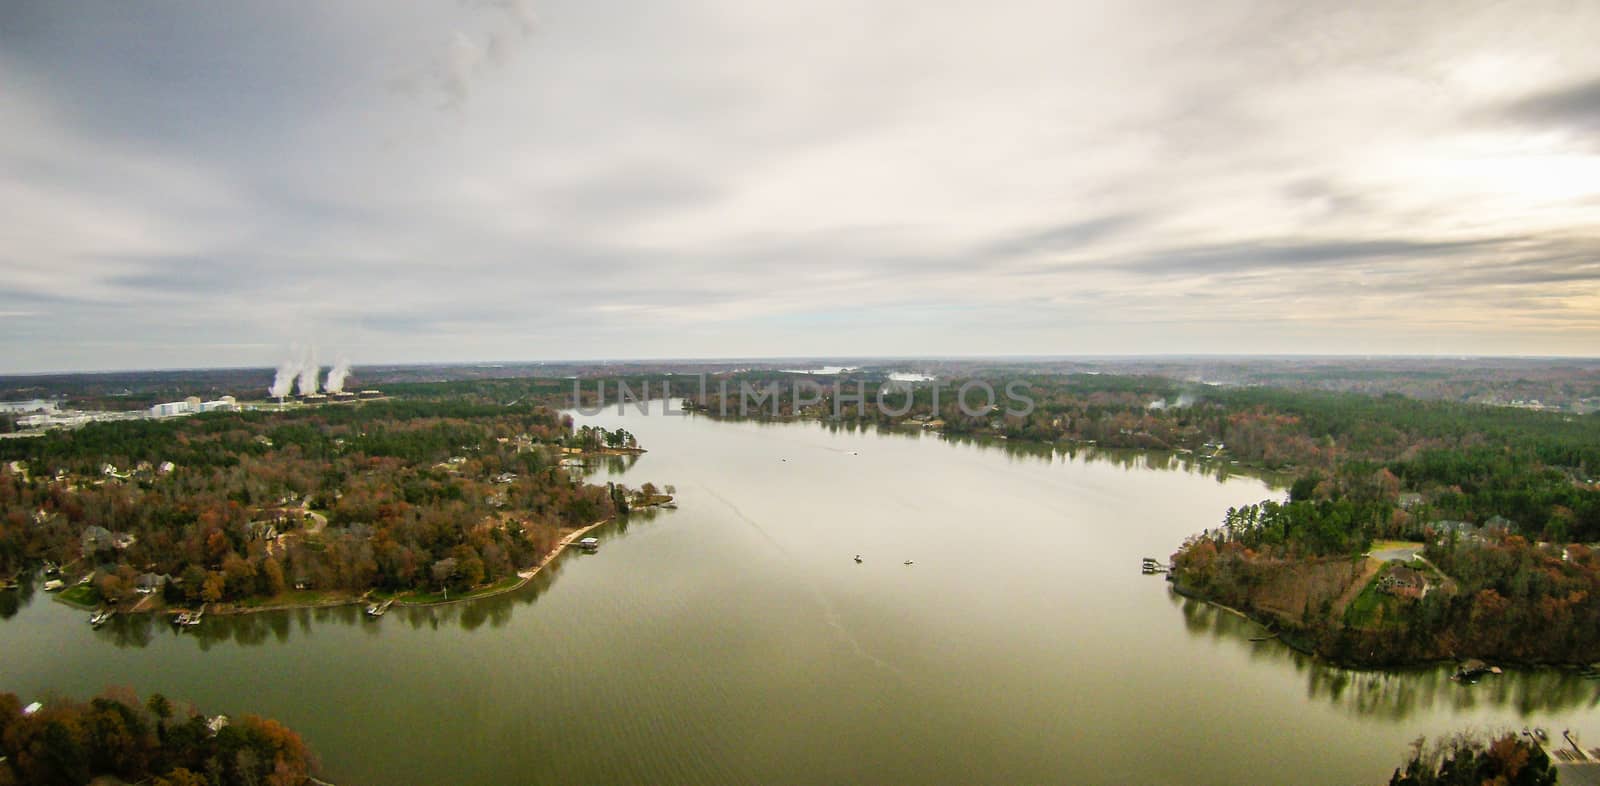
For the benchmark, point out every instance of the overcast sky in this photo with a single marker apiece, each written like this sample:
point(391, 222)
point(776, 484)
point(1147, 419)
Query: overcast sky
point(211, 183)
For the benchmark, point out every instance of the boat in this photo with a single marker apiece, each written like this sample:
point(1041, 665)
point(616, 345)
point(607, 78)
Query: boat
point(100, 618)
point(54, 585)
point(589, 544)
point(1471, 670)
point(377, 610)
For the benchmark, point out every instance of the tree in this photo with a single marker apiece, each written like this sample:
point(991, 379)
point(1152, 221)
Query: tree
point(214, 588)
point(443, 570)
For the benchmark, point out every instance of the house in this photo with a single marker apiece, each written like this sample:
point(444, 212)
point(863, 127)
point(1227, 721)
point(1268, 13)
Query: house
point(505, 477)
point(262, 530)
point(149, 583)
point(1403, 582)
point(122, 540)
point(96, 538)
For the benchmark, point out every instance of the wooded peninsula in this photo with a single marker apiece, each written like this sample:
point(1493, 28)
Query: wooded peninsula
point(421, 499)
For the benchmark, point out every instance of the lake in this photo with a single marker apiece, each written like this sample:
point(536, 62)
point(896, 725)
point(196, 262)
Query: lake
point(736, 640)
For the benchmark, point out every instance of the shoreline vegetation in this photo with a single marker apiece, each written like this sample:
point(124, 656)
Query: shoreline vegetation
point(410, 501)
point(408, 599)
point(454, 490)
point(1497, 508)
point(116, 736)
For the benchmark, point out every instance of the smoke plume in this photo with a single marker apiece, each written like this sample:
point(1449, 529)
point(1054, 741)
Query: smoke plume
point(283, 380)
point(308, 373)
point(337, 375)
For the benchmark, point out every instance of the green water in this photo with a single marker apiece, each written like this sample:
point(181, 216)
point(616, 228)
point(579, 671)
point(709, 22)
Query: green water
point(736, 641)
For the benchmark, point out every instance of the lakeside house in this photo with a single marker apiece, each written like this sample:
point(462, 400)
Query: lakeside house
point(150, 583)
point(96, 538)
point(1404, 582)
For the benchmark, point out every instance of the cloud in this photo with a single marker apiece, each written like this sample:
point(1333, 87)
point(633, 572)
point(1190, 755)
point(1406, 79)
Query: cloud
point(1576, 106)
point(726, 178)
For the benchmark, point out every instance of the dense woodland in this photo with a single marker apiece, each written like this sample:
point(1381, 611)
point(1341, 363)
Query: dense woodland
point(391, 495)
point(1466, 760)
point(153, 742)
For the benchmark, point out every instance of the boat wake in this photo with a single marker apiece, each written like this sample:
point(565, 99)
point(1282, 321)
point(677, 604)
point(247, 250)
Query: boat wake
point(829, 614)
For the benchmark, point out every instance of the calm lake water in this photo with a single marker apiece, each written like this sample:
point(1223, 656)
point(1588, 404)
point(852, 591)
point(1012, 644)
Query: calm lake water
point(736, 641)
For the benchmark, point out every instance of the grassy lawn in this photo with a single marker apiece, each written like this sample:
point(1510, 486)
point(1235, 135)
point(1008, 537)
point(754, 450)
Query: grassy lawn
point(1364, 611)
point(307, 597)
point(426, 596)
point(1383, 545)
point(82, 595)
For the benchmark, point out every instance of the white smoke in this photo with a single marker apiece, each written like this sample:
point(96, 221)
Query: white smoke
point(308, 372)
point(283, 380)
point(337, 374)
point(1184, 401)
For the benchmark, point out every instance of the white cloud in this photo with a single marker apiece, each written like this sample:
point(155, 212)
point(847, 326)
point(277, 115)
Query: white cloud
point(711, 177)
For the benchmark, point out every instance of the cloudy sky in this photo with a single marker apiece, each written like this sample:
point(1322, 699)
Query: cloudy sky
point(211, 183)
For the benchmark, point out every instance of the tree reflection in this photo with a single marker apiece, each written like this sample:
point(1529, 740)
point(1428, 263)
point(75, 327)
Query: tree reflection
point(1396, 694)
point(258, 628)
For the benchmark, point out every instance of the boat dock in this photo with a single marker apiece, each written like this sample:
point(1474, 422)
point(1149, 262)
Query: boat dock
point(1152, 565)
point(377, 610)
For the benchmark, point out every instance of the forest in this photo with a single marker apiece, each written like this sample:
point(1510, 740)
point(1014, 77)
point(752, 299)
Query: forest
point(1505, 759)
point(154, 742)
point(427, 495)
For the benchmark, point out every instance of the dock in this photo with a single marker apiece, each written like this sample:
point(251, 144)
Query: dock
point(1152, 565)
point(377, 610)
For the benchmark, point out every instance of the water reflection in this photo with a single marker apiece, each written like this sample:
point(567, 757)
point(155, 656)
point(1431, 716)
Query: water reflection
point(1399, 693)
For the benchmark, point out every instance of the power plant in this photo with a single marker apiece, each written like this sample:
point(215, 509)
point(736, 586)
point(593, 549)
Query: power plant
point(298, 379)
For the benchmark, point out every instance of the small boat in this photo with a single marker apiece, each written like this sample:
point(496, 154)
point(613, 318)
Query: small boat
point(858, 559)
point(100, 618)
point(589, 544)
point(1541, 734)
point(908, 562)
point(10, 584)
point(1469, 671)
point(54, 585)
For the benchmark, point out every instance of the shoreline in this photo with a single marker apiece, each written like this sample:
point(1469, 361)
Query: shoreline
point(523, 576)
point(1290, 637)
point(228, 610)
